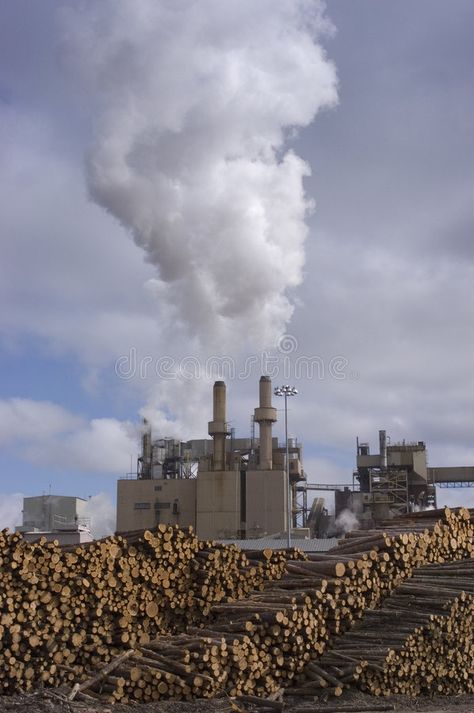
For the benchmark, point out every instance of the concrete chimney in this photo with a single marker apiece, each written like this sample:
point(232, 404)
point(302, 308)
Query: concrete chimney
point(383, 448)
point(147, 452)
point(265, 416)
point(218, 427)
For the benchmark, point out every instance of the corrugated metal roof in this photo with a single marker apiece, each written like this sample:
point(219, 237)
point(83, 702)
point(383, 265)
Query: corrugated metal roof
point(263, 543)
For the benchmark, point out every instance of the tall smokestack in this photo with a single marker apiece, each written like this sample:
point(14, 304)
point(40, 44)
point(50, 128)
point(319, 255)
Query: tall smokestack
point(218, 427)
point(265, 416)
point(146, 469)
point(383, 448)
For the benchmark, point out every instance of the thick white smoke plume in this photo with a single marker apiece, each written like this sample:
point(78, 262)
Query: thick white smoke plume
point(195, 101)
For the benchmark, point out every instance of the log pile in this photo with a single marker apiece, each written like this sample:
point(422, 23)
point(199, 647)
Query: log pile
point(123, 603)
point(259, 645)
point(421, 641)
point(66, 611)
point(372, 564)
point(436, 659)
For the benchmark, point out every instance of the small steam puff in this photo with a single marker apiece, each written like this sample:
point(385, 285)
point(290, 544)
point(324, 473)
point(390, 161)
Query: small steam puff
point(346, 521)
point(194, 102)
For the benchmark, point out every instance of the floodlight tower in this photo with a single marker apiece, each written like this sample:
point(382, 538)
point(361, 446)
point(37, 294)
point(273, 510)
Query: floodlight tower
point(287, 391)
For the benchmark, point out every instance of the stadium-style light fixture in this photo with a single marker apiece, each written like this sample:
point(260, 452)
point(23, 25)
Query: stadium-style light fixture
point(286, 391)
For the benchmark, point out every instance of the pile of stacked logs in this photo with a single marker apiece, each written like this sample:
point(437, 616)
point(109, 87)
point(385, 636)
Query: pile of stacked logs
point(421, 641)
point(66, 611)
point(257, 646)
point(436, 659)
point(105, 619)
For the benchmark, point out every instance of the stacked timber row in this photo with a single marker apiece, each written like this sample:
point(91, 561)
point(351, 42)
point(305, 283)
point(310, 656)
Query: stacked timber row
point(368, 566)
point(436, 659)
point(421, 641)
point(64, 612)
point(67, 614)
point(263, 643)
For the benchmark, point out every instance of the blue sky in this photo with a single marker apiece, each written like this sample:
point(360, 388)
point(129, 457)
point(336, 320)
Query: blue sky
point(384, 280)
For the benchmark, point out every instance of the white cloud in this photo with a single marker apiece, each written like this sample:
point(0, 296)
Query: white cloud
point(101, 510)
point(51, 436)
point(26, 420)
point(11, 506)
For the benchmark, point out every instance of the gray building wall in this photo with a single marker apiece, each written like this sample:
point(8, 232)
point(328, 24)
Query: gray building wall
point(218, 504)
point(266, 502)
point(51, 512)
point(142, 504)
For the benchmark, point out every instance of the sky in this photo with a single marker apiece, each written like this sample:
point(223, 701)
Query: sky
point(268, 186)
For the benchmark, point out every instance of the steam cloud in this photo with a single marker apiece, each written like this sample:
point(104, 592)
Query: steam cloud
point(195, 102)
point(346, 521)
point(10, 510)
point(101, 511)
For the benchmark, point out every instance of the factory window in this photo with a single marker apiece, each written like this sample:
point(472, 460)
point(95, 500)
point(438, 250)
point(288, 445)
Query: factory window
point(142, 506)
point(159, 506)
point(158, 487)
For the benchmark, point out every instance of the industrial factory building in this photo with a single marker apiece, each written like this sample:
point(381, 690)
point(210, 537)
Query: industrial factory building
point(55, 517)
point(395, 481)
point(229, 488)
point(225, 488)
